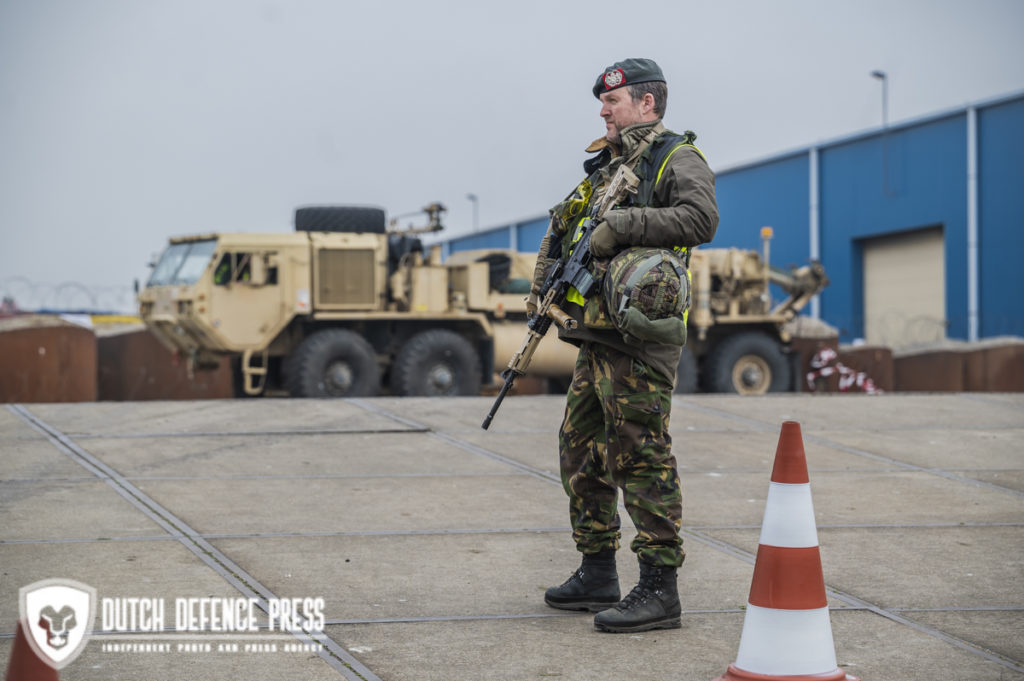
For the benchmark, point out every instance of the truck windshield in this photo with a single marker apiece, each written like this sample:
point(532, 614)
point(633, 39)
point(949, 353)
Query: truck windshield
point(183, 263)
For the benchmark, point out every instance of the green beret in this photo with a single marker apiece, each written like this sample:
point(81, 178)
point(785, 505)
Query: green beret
point(627, 72)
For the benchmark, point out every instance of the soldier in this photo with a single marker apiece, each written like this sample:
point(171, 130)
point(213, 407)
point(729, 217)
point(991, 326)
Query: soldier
point(615, 430)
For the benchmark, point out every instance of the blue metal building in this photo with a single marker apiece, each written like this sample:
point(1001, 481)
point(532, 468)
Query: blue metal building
point(919, 225)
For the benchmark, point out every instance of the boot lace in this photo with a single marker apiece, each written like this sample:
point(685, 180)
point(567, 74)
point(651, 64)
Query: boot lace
point(574, 577)
point(648, 586)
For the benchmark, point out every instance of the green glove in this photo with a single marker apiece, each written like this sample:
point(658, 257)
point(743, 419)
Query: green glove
point(604, 242)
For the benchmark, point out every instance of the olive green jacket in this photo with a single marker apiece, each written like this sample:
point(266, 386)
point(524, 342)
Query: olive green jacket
point(682, 212)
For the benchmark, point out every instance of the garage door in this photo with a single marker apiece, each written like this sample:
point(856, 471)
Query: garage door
point(905, 288)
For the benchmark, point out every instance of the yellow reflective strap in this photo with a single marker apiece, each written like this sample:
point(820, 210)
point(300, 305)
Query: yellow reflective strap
point(578, 234)
point(676, 148)
point(689, 278)
point(572, 295)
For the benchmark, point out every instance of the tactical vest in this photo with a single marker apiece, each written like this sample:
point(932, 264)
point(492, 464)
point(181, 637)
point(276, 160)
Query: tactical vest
point(649, 168)
point(654, 160)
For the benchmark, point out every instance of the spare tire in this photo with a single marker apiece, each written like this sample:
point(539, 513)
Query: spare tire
point(363, 219)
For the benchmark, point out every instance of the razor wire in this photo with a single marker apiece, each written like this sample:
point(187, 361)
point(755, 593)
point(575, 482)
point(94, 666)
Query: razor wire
point(22, 294)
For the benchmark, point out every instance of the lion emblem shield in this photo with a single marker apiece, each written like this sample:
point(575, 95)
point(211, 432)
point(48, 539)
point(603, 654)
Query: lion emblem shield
point(58, 614)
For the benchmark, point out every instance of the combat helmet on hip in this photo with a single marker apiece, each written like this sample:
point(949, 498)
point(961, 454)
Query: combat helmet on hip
point(647, 291)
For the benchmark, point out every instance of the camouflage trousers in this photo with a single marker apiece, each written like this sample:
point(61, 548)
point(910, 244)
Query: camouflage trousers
point(615, 435)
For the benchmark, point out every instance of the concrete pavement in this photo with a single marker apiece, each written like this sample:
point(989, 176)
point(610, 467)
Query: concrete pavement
point(431, 541)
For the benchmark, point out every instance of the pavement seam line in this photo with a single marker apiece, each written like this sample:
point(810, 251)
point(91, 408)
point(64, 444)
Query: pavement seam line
point(299, 535)
point(480, 530)
point(331, 651)
point(245, 433)
point(725, 547)
point(763, 426)
point(457, 442)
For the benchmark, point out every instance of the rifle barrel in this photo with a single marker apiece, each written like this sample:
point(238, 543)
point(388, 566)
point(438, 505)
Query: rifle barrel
point(497, 402)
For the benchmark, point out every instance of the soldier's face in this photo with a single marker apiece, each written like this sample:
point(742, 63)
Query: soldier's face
point(619, 111)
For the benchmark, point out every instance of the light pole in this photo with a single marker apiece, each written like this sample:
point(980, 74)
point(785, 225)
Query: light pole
point(476, 210)
point(882, 76)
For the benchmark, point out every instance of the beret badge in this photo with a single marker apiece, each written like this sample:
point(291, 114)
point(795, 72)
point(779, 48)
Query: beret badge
point(614, 79)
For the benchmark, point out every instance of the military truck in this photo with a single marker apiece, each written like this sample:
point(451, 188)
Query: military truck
point(348, 306)
point(738, 339)
point(341, 307)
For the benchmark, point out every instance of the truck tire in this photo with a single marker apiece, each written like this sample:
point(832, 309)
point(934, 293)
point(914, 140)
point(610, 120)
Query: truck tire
point(340, 219)
point(686, 373)
point(748, 363)
point(333, 363)
point(436, 363)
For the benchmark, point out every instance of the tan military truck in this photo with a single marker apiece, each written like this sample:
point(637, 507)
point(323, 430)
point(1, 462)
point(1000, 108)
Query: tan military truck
point(342, 307)
point(738, 338)
point(345, 307)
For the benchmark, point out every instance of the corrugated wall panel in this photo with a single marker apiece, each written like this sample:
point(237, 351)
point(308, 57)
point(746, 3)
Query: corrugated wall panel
point(922, 183)
point(1001, 217)
point(773, 194)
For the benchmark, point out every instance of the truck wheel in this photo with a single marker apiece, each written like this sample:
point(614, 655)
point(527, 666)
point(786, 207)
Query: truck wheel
point(333, 363)
point(340, 219)
point(686, 373)
point(749, 364)
point(436, 363)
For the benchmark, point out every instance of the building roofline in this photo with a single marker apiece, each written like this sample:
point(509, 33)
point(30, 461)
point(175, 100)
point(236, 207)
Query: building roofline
point(441, 237)
point(874, 131)
point(802, 150)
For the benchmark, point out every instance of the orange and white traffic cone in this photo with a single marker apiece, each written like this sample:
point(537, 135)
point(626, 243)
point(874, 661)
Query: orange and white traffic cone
point(787, 633)
point(24, 664)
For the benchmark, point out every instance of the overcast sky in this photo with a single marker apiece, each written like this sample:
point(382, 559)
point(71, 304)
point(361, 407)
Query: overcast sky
point(125, 122)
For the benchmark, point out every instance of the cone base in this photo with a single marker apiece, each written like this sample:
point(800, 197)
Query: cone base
point(24, 664)
point(734, 673)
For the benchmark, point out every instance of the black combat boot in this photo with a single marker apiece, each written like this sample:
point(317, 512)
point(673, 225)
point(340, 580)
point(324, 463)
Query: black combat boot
point(593, 587)
point(652, 604)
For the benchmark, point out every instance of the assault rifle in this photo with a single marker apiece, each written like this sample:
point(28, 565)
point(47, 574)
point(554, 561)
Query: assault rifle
point(566, 273)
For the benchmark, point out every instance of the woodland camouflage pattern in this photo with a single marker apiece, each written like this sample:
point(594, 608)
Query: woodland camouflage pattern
point(615, 434)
